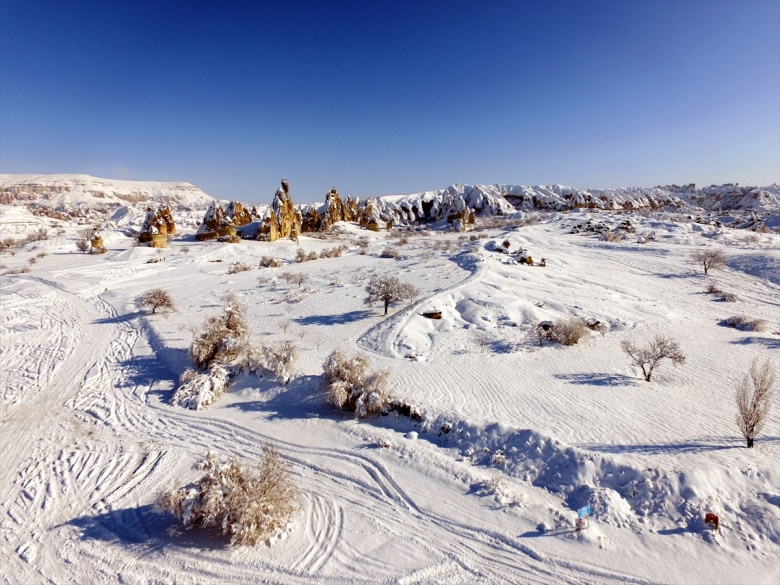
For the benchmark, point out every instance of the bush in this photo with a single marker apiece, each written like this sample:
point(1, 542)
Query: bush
point(744, 323)
point(237, 267)
point(199, 390)
point(350, 386)
point(251, 505)
point(223, 337)
point(570, 331)
point(712, 289)
point(268, 262)
point(333, 252)
point(389, 252)
point(728, 297)
point(83, 245)
point(157, 298)
point(280, 360)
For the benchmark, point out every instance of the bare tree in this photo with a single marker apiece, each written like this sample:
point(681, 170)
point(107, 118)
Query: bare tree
point(284, 325)
point(753, 397)
point(389, 290)
point(82, 245)
point(649, 356)
point(157, 298)
point(298, 278)
point(710, 258)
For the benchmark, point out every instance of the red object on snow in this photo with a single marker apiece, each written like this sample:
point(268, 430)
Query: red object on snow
point(712, 520)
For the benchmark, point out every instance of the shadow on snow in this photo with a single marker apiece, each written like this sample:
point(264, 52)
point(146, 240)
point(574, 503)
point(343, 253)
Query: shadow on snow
point(342, 319)
point(145, 527)
point(701, 444)
point(598, 379)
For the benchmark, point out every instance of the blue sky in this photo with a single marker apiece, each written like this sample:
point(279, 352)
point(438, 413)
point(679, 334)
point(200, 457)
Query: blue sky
point(377, 97)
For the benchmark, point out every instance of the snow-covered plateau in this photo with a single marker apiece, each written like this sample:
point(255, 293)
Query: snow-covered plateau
point(512, 433)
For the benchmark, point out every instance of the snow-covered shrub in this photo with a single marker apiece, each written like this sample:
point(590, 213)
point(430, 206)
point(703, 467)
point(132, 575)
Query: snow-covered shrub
point(199, 390)
point(223, 337)
point(389, 252)
point(728, 297)
point(612, 236)
point(350, 386)
point(280, 360)
point(570, 331)
point(251, 505)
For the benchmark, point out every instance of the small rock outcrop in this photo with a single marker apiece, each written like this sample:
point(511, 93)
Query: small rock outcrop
point(96, 243)
point(157, 226)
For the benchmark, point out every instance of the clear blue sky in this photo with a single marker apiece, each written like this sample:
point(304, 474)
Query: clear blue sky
point(377, 97)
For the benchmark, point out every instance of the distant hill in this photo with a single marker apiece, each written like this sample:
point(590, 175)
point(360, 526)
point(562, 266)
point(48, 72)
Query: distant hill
point(81, 194)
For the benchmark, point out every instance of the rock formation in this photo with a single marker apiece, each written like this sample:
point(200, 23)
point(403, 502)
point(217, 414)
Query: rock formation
point(156, 227)
point(337, 210)
point(238, 214)
point(370, 217)
point(96, 243)
point(282, 219)
point(217, 225)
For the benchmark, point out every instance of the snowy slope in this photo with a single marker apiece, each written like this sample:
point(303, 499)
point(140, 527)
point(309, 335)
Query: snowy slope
point(514, 439)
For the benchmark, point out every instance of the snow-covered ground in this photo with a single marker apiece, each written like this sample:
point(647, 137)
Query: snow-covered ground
point(514, 437)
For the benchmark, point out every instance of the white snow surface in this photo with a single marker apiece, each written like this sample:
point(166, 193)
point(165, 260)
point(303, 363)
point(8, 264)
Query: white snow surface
point(514, 437)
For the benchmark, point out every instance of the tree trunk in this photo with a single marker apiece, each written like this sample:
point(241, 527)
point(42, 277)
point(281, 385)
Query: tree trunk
point(750, 443)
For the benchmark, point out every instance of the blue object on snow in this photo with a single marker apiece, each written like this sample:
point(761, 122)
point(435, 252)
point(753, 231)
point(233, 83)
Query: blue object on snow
point(582, 512)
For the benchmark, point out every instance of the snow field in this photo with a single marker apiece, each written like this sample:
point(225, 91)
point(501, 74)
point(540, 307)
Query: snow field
point(535, 432)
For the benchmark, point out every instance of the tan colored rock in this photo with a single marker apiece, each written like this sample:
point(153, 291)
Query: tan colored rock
point(311, 219)
point(157, 226)
point(282, 219)
point(337, 210)
point(238, 213)
point(369, 218)
point(96, 243)
point(215, 223)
